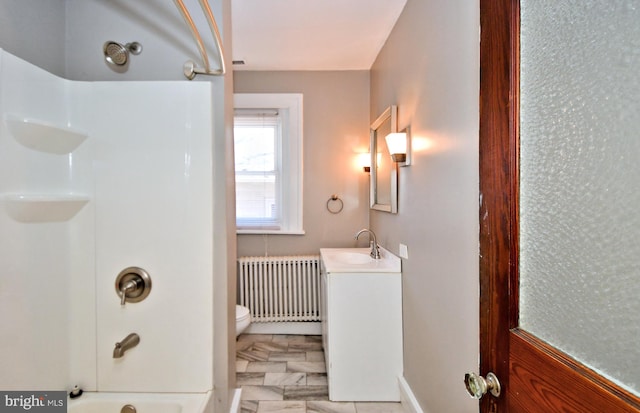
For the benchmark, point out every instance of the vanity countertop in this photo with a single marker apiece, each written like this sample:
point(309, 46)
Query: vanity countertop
point(358, 260)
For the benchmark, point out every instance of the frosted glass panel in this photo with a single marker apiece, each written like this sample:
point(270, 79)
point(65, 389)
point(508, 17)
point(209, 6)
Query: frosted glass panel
point(580, 181)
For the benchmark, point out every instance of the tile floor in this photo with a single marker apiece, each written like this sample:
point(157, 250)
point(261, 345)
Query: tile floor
point(286, 373)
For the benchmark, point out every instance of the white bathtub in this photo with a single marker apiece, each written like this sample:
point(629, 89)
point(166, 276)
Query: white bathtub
point(143, 402)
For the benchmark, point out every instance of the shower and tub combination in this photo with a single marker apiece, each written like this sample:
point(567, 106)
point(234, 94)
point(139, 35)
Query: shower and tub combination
point(98, 184)
point(102, 182)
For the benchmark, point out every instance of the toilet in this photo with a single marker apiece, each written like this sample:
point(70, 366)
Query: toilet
point(243, 319)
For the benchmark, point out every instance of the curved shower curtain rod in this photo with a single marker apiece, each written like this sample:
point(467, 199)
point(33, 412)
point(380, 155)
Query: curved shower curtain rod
point(190, 69)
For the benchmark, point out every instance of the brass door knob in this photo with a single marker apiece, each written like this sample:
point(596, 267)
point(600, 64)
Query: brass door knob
point(478, 386)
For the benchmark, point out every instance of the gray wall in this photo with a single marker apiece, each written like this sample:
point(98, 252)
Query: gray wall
point(157, 25)
point(336, 129)
point(429, 67)
point(35, 31)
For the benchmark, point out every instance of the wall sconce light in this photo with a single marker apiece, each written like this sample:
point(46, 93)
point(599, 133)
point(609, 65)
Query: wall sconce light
point(399, 145)
point(364, 159)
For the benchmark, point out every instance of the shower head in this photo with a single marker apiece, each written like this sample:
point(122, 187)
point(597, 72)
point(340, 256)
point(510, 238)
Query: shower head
point(117, 54)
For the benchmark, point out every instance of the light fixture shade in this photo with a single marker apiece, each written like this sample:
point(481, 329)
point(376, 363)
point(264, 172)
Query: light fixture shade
point(397, 145)
point(364, 159)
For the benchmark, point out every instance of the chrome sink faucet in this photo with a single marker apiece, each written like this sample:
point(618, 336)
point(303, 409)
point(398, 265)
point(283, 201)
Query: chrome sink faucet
point(128, 342)
point(375, 251)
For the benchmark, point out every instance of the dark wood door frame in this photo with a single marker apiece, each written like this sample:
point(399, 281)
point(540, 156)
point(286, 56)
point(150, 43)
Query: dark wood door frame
point(536, 377)
point(496, 170)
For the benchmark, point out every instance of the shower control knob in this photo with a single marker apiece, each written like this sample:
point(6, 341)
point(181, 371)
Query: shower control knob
point(133, 284)
point(478, 386)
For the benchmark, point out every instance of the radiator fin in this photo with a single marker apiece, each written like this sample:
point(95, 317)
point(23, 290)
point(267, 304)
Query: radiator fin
point(283, 288)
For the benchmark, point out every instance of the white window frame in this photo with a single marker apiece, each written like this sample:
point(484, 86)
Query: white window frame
point(291, 156)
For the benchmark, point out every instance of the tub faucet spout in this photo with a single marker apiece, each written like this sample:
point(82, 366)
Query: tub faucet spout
point(375, 251)
point(128, 342)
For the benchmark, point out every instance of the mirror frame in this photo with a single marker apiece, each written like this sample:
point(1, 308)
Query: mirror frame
point(389, 115)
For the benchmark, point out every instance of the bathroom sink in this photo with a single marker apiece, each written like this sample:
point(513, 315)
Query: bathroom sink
point(354, 257)
point(358, 260)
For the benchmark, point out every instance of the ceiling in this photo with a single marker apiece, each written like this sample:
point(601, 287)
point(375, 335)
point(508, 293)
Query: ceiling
point(311, 34)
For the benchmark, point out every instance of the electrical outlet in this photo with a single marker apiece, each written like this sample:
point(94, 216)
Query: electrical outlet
point(403, 251)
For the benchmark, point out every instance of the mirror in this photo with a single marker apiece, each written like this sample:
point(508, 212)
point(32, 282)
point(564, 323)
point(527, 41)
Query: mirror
point(384, 173)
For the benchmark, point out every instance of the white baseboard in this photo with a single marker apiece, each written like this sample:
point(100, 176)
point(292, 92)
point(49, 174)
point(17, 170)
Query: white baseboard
point(408, 400)
point(297, 327)
point(234, 407)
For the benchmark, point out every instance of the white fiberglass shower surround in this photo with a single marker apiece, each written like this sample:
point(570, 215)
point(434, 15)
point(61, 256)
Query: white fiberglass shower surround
point(96, 177)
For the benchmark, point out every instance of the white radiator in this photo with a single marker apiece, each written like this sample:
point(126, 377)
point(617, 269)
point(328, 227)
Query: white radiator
point(280, 288)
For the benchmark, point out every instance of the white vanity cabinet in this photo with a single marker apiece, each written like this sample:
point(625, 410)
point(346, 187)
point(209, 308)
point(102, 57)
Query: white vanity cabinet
point(361, 325)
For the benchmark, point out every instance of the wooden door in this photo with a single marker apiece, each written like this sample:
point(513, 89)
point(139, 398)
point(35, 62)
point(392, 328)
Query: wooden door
point(535, 376)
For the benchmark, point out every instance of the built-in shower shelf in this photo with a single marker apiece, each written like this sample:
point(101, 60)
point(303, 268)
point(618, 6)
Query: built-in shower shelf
point(43, 207)
point(44, 136)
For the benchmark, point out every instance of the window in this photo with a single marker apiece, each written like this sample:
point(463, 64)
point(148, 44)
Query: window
point(268, 163)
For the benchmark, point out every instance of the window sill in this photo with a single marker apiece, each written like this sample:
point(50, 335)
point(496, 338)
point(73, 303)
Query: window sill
point(267, 232)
